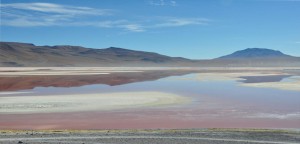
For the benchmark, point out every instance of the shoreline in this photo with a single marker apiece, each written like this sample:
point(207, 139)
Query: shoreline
point(297, 130)
point(162, 136)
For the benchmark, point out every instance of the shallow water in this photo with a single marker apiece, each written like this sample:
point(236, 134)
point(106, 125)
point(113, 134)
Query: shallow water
point(212, 103)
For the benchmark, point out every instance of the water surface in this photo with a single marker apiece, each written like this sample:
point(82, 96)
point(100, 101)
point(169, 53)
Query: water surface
point(222, 103)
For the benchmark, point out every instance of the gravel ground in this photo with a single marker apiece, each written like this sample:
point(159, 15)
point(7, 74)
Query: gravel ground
point(203, 136)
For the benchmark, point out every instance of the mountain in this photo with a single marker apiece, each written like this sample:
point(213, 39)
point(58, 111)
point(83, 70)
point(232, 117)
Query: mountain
point(256, 53)
point(29, 55)
point(25, 54)
point(257, 57)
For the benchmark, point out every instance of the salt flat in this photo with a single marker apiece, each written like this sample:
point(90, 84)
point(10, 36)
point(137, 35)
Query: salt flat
point(87, 102)
point(12, 70)
point(293, 84)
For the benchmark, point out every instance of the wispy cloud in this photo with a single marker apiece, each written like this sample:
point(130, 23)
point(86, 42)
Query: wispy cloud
point(56, 8)
point(297, 42)
point(163, 2)
point(175, 22)
point(134, 27)
point(45, 14)
point(49, 14)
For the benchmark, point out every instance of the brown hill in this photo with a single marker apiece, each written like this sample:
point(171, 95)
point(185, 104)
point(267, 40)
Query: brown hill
point(25, 54)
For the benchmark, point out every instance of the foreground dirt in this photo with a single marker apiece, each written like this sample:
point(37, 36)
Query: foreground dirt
point(203, 136)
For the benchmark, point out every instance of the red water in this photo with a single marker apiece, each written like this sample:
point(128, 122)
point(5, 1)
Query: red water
point(214, 105)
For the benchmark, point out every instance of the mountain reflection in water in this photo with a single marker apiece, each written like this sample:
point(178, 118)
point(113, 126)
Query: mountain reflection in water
point(113, 79)
point(14, 83)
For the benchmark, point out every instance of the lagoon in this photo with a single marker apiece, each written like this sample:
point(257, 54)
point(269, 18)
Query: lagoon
point(150, 99)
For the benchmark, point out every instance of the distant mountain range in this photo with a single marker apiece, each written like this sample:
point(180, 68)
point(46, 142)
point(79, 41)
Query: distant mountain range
point(256, 53)
point(25, 54)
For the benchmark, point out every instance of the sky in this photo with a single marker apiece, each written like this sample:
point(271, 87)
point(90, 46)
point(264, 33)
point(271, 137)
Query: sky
point(196, 29)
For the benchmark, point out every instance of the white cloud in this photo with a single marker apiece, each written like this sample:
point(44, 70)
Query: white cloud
point(45, 14)
point(109, 23)
point(134, 27)
point(163, 2)
point(56, 9)
point(49, 14)
point(175, 22)
point(24, 22)
point(173, 3)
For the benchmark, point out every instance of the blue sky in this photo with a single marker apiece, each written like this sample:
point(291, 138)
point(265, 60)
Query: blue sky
point(197, 29)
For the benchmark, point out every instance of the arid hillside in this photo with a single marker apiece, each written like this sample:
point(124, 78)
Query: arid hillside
point(14, 54)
